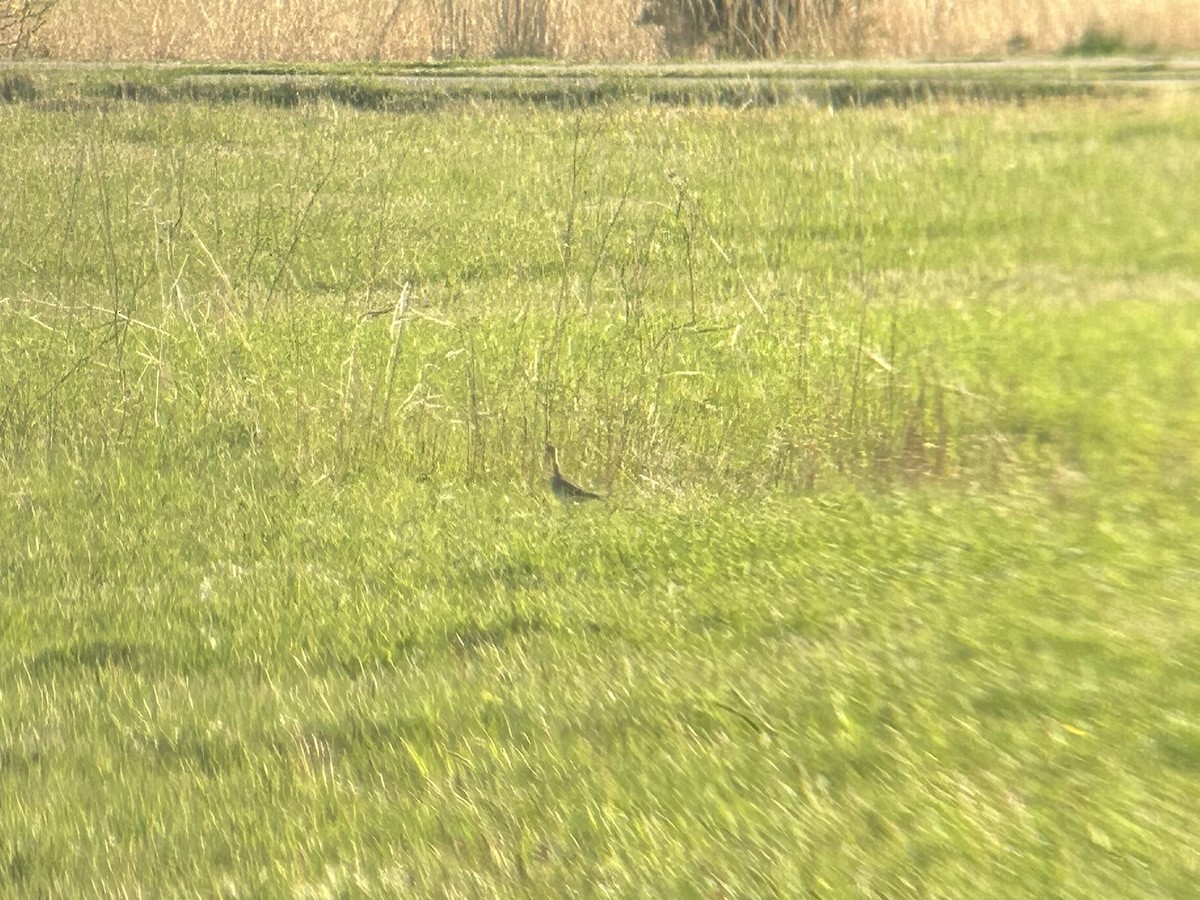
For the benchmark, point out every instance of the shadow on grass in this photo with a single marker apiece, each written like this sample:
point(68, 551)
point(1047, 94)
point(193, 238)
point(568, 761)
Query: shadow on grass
point(421, 93)
point(95, 655)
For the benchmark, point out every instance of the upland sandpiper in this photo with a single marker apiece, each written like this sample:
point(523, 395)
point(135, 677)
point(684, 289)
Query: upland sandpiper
point(563, 489)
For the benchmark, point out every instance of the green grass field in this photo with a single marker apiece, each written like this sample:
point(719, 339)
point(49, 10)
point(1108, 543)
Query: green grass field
point(896, 591)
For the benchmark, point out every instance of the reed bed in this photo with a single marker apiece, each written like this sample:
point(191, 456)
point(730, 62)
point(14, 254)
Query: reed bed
point(324, 30)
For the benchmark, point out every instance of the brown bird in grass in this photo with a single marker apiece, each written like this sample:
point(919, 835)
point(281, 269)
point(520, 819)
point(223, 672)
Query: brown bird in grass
point(563, 489)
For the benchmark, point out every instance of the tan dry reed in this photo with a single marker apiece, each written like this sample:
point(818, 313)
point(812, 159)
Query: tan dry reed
point(299, 30)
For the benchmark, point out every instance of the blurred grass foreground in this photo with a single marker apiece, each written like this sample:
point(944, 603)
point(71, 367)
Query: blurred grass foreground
point(894, 592)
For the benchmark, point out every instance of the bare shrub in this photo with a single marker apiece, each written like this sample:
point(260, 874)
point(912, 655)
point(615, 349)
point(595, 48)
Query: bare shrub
point(907, 28)
point(20, 21)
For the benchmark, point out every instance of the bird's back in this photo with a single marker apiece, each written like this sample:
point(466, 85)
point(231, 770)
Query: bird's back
point(565, 490)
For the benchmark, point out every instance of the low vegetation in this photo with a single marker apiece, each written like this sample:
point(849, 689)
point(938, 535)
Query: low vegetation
point(894, 590)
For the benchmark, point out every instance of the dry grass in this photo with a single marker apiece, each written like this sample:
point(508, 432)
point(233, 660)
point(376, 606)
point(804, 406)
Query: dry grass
point(577, 29)
point(337, 31)
point(950, 28)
